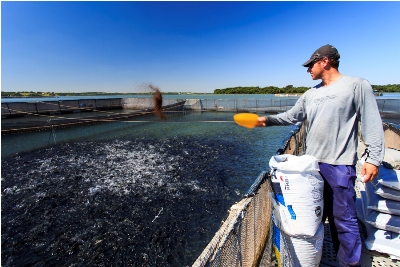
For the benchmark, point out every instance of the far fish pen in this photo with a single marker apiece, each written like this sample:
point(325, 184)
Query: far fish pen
point(25, 117)
point(49, 115)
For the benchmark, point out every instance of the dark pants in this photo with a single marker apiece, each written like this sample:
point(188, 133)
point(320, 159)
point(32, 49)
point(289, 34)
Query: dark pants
point(340, 208)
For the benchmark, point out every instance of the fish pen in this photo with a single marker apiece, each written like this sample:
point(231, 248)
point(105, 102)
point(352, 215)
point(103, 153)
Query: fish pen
point(39, 116)
point(241, 105)
point(18, 117)
point(273, 105)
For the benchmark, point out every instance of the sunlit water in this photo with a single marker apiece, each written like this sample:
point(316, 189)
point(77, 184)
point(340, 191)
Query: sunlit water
point(149, 193)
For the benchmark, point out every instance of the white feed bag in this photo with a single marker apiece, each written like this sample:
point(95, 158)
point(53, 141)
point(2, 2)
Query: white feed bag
point(379, 240)
point(298, 188)
point(292, 163)
point(388, 177)
point(384, 221)
point(378, 203)
point(386, 192)
point(298, 251)
point(376, 219)
point(383, 241)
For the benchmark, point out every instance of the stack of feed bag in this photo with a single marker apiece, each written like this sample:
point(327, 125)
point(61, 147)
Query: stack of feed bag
point(297, 200)
point(379, 207)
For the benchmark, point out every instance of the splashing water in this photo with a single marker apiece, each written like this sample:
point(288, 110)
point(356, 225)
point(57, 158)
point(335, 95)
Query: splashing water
point(127, 200)
point(124, 202)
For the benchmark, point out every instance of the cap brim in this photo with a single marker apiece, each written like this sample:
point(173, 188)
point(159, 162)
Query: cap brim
point(307, 63)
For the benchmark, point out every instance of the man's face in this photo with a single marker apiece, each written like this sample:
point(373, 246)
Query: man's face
point(316, 69)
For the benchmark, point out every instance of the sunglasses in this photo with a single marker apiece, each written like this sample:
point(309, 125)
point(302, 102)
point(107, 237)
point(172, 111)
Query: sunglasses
point(311, 65)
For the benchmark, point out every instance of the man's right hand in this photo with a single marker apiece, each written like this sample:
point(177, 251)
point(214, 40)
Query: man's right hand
point(262, 122)
point(369, 172)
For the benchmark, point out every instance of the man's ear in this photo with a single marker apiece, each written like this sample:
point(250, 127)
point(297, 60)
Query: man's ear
point(325, 61)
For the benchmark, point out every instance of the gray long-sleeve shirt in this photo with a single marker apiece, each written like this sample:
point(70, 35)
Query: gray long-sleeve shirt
point(333, 113)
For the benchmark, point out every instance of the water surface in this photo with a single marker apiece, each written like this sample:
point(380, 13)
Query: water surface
point(150, 193)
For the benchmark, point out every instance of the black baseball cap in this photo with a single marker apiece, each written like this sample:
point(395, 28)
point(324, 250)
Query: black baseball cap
point(328, 51)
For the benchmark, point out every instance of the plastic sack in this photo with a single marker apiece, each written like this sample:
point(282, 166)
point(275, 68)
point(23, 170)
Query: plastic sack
point(298, 194)
point(384, 221)
point(298, 251)
point(386, 192)
point(377, 203)
point(379, 240)
point(388, 177)
point(377, 219)
point(383, 241)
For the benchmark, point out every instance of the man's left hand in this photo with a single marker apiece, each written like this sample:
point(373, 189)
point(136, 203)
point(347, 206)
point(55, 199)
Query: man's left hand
point(369, 171)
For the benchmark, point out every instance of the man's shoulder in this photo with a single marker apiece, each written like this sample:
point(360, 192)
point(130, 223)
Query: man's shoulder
point(354, 79)
point(313, 88)
point(308, 91)
point(357, 84)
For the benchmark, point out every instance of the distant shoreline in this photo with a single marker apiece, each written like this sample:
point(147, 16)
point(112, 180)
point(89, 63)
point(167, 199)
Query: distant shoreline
point(95, 94)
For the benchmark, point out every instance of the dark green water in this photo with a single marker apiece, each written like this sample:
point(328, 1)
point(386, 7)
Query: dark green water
point(150, 193)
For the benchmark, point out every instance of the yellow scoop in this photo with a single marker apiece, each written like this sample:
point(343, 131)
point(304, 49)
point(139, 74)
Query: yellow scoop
point(248, 120)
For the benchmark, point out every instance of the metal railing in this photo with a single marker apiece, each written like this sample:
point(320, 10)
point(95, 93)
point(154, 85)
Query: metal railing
point(388, 105)
point(251, 105)
point(269, 105)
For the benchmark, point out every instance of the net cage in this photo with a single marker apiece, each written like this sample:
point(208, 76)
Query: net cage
point(48, 115)
point(20, 117)
point(12, 109)
point(246, 105)
point(385, 106)
point(245, 237)
point(242, 235)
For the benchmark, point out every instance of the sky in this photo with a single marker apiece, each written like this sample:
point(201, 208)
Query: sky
point(191, 46)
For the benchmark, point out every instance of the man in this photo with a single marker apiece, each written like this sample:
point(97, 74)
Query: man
point(333, 110)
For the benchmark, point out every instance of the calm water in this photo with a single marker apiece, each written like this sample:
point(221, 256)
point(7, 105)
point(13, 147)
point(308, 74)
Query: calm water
point(134, 193)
